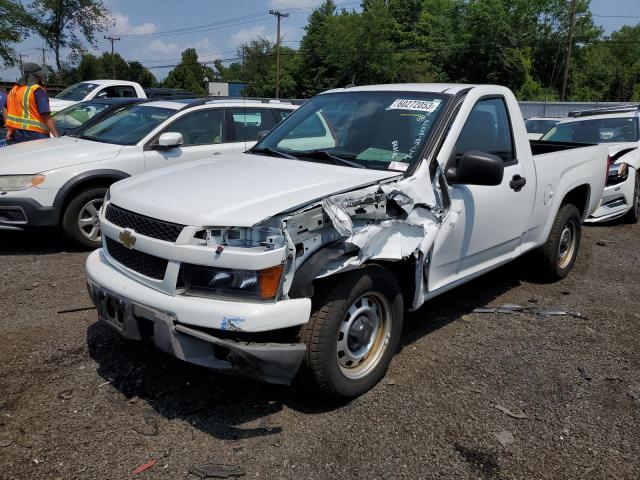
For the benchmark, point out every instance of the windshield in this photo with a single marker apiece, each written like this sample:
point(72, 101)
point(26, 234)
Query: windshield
point(77, 92)
point(376, 130)
point(129, 125)
point(599, 130)
point(76, 115)
point(539, 126)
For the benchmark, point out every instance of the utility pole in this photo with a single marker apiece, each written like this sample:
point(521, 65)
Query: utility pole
point(113, 58)
point(565, 77)
point(21, 67)
point(278, 14)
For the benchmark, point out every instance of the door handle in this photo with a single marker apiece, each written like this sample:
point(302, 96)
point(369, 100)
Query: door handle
point(517, 182)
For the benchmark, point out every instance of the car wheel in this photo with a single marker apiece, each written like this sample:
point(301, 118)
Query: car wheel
point(634, 214)
point(559, 252)
point(353, 332)
point(81, 219)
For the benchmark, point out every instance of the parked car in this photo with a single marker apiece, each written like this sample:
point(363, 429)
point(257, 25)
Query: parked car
point(61, 182)
point(84, 114)
point(168, 92)
point(299, 256)
point(538, 126)
point(618, 129)
point(96, 89)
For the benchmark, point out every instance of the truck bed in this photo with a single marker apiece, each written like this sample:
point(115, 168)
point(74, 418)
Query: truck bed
point(540, 147)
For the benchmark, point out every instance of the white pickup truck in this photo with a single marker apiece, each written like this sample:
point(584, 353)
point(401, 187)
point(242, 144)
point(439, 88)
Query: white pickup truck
point(79, 92)
point(297, 258)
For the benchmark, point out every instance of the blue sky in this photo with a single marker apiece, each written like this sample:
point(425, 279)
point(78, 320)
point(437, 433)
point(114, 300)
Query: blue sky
point(153, 17)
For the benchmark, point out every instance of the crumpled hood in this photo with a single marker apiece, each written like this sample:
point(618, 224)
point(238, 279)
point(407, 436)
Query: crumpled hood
point(50, 153)
point(57, 104)
point(235, 190)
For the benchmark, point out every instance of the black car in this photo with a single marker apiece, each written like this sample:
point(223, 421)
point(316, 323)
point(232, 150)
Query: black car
point(84, 114)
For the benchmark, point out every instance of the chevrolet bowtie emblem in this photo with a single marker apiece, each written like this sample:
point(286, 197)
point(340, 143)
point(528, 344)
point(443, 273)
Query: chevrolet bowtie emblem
point(127, 239)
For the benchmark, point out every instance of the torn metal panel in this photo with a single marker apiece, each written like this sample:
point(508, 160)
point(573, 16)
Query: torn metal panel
point(339, 217)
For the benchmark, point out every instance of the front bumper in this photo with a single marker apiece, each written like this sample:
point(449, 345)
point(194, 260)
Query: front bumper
point(178, 324)
point(616, 201)
point(25, 213)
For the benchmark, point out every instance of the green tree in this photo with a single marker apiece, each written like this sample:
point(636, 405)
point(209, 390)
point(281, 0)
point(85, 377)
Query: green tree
point(138, 73)
point(13, 25)
point(67, 23)
point(189, 74)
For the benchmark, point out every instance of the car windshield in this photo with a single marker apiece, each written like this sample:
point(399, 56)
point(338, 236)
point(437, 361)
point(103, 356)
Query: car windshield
point(129, 125)
point(77, 91)
point(76, 115)
point(375, 130)
point(539, 126)
point(597, 130)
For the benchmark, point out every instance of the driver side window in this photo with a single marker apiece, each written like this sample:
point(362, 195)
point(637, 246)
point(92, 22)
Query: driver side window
point(488, 130)
point(204, 127)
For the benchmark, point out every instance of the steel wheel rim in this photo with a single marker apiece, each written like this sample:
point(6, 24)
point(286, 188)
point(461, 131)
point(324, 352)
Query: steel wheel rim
point(567, 245)
point(89, 220)
point(364, 335)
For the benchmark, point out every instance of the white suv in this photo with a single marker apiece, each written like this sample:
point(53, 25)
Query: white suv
point(616, 127)
point(62, 181)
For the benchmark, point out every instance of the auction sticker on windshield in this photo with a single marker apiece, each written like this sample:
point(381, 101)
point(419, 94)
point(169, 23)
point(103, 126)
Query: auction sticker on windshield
point(428, 106)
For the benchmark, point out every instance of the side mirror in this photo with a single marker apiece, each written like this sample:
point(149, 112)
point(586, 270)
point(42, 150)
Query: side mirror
point(476, 168)
point(170, 140)
point(262, 134)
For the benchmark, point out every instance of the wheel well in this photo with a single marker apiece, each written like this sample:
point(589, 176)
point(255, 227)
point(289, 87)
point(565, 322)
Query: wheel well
point(85, 185)
point(579, 197)
point(405, 273)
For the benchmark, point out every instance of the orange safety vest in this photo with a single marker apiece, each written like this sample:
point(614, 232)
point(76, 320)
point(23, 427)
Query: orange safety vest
point(22, 110)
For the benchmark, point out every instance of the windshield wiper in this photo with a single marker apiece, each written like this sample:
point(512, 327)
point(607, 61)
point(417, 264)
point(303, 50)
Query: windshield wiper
point(338, 160)
point(273, 151)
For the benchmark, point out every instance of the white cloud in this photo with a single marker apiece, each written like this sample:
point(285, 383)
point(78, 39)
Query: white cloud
point(122, 26)
point(160, 50)
point(295, 3)
point(244, 35)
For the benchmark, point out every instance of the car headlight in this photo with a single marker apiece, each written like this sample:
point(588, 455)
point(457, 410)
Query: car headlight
point(12, 183)
point(618, 173)
point(234, 283)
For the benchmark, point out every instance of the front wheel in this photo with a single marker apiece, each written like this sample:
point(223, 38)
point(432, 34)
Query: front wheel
point(559, 252)
point(353, 332)
point(81, 221)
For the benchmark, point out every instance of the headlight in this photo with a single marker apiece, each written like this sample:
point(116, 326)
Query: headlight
point(618, 173)
point(246, 284)
point(12, 183)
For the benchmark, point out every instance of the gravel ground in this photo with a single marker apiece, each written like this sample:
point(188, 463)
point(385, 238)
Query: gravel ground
point(562, 393)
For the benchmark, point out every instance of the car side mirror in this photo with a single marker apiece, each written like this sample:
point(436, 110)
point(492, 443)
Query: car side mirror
point(262, 134)
point(475, 168)
point(170, 140)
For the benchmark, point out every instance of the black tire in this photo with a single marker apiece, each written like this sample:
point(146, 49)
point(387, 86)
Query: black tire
point(633, 215)
point(322, 369)
point(70, 218)
point(553, 266)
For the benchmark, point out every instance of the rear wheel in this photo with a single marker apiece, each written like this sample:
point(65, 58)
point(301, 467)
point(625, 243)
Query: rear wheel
point(634, 214)
point(353, 332)
point(559, 252)
point(81, 219)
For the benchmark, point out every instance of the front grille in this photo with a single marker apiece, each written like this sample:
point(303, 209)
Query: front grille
point(147, 226)
point(143, 263)
point(12, 215)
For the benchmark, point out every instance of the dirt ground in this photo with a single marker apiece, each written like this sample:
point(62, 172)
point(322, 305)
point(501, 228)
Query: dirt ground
point(562, 393)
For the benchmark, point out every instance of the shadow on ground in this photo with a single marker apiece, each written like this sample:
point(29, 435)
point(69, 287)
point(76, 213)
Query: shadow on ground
point(220, 405)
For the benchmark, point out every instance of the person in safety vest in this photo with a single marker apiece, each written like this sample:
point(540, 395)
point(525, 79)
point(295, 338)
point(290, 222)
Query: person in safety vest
point(28, 111)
